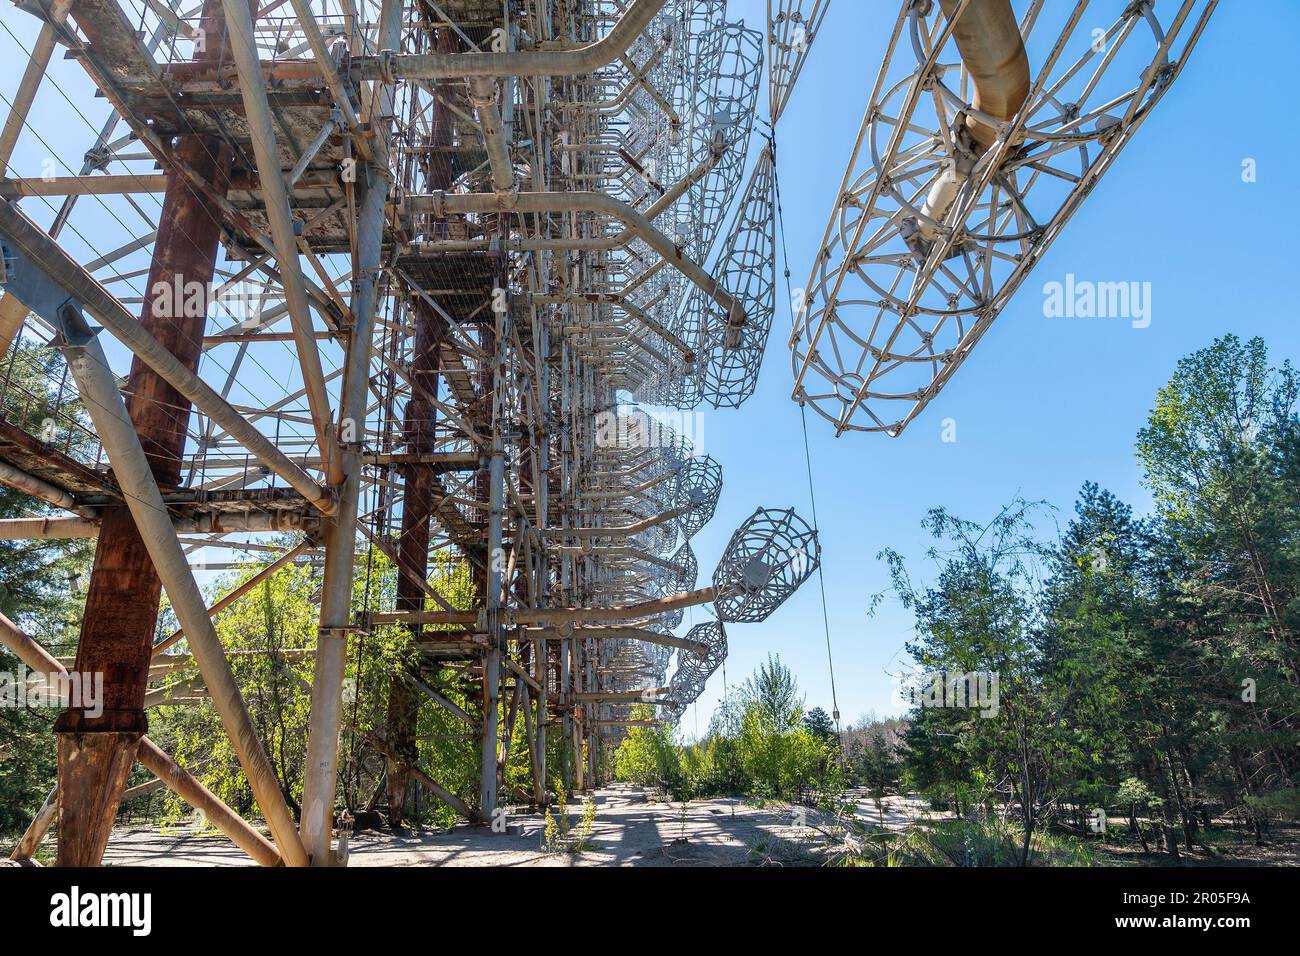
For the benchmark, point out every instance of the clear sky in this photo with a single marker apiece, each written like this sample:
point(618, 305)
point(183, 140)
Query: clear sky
point(1042, 405)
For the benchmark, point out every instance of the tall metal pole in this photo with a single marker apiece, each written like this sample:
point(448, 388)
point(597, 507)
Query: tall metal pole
point(103, 752)
point(321, 772)
point(95, 753)
point(496, 633)
point(417, 477)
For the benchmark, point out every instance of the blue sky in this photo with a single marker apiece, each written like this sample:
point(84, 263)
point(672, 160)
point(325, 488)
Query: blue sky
point(1042, 405)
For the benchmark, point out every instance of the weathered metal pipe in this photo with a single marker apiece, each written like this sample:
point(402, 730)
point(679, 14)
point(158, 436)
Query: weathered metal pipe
point(418, 502)
point(619, 531)
point(626, 695)
point(624, 634)
point(189, 789)
point(492, 659)
point(483, 97)
point(393, 66)
point(320, 776)
point(54, 529)
point(89, 366)
point(988, 36)
point(560, 615)
point(16, 478)
point(31, 839)
point(47, 529)
point(441, 792)
point(83, 186)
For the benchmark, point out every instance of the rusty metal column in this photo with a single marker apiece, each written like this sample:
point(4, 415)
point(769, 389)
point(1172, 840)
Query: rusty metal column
point(96, 753)
point(413, 546)
point(417, 501)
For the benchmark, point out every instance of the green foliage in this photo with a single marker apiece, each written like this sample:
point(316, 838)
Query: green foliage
point(780, 760)
point(878, 767)
point(558, 834)
point(1135, 793)
point(445, 749)
point(1149, 665)
point(40, 581)
point(967, 843)
point(818, 723)
point(270, 637)
point(759, 744)
point(647, 755)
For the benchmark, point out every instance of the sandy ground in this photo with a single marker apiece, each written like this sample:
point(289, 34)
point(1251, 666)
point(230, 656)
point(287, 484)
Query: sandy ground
point(631, 828)
point(636, 828)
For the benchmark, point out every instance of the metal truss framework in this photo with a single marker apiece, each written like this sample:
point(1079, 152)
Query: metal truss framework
point(386, 275)
point(972, 157)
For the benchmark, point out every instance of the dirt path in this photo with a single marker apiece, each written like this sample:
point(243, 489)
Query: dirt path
point(631, 829)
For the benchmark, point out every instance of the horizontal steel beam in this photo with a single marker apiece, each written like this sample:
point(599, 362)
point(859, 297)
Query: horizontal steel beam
point(242, 522)
point(38, 488)
point(82, 186)
point(553, 615)
point(442, 204)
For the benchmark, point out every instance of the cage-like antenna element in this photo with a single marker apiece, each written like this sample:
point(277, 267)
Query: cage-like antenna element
point(767, 559)
point(944, 208)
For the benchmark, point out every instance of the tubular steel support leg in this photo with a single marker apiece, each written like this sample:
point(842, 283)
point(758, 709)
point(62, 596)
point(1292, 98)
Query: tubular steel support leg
point(122, 600)
point(320, 777)
point(417, 482)
point(31, 840)
point(131, 467)
point(492, 659)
